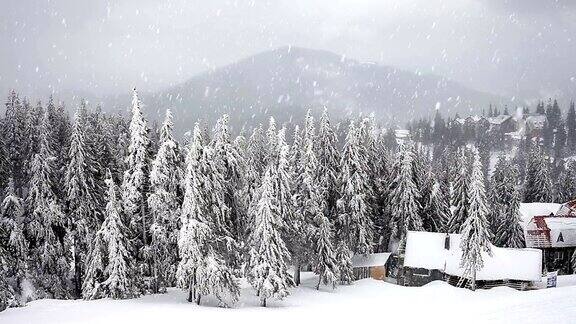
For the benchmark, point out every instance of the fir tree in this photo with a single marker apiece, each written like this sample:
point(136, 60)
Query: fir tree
point(537, 186)
point(215, 278)
point(227, 167)
point(460, 197)
point(438, 207)
point(328, 164)
point(325, 264)
point(13, 249)
point(81, 203)
point(134, 184)
point(510, 234)
point(95, 268)
point(16, 131)
point(404, 197)
point(344, 263)
point(502, 187)
point(119, 272)
point(164, 202)
point(566, 184)
point(475, 233)
point(195, 231)
point(571, 128)
point(354, 222)
point(46, 224)
point(296, 229)
point(203, 235)
point(267, 271)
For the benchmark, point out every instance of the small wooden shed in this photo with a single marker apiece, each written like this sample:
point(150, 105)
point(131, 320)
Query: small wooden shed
point(370, 266)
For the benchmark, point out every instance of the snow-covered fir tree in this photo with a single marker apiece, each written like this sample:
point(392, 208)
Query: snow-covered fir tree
point(227, 180)
point(202, 268)
point(80, 201)
point(195, 231)
point(308, 199)
point(566, 187)
point(135, 183)
point(438, 207)
point(510, 234)
point(404, 198)
point(271, 142)
point(16, 137)
point(423, 180)
point(295, 230)
point(328, 164)
point(354, 213)
point(325, 263)
point(120, 282)
point(344, 263)
point(502, 186)
point(217, 279)
point(13, 249)
point(46, 224)
point(95, 268)
point(460, 198)
point(267, 269)
point(315, 224)
point(475, 231)
point(537, 186)
point(4, 161)
point(164, 204)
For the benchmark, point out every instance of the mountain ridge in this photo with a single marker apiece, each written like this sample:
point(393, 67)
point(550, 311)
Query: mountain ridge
point(286, 81)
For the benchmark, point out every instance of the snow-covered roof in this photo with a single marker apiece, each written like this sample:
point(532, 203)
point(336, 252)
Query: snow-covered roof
point(567, 209)
point(427, 250)
point(476, 118)
point(370, 260)
point(402, 133)
point(555, 231)
point(460, 120)
point(499, 119)
point(529, 210)
point(537, 121)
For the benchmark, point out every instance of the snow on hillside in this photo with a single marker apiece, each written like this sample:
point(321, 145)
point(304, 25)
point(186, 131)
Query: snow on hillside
point(366, 299)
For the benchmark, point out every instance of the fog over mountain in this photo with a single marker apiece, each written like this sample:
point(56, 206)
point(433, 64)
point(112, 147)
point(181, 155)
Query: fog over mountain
point(517, 49)
point(287, 81)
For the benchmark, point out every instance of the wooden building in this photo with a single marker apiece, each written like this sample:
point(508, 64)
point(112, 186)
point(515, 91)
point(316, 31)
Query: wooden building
point(555, 235)
point(437, 256)
point(370, 266)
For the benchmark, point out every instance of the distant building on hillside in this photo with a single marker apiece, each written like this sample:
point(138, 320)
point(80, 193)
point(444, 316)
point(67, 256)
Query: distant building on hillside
point(502, 124)
point(534, 125)
point(437, 256)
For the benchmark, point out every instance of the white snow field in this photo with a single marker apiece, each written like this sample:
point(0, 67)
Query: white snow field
point(365, 300)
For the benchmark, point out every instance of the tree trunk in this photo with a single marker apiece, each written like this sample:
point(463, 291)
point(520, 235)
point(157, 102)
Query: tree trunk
point(319, 281)
point(190, 298)
point(77, 271)
point(263, 302)
point(473, 284)
point(190, 289)
point(297, 274)
point(198, 297)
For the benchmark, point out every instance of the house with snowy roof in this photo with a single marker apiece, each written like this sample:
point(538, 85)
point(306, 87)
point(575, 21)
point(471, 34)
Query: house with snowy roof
point(552, 229)
point(373, 266)
point(502, 124)
point(437, 256)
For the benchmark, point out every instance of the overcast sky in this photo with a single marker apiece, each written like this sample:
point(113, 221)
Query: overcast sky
point(505, 47)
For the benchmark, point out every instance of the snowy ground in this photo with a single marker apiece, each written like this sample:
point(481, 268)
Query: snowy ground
point(365, 300)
